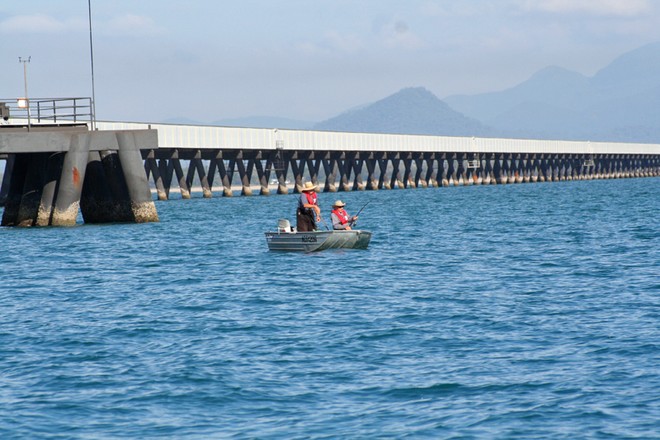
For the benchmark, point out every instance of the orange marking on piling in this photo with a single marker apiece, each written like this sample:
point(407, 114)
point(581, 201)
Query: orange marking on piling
point(76, 176)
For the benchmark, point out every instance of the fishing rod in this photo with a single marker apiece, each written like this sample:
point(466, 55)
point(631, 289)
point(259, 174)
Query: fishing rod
point(324, 223)
point(358, 213)
point(363, 206)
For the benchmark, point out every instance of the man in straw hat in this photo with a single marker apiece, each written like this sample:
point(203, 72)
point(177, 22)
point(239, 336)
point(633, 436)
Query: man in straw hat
point(340, 218)
point(308, 212)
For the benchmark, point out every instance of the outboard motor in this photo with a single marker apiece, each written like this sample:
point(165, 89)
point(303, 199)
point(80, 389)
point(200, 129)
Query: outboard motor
point(283, 225)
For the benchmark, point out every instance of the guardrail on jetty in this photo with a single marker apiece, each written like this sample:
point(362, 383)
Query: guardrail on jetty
point(253, 158)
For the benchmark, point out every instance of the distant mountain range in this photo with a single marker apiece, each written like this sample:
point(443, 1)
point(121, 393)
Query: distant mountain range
point(619, 103)
point(410, 111)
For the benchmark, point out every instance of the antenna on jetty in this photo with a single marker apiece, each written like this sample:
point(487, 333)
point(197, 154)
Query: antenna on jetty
point(25, 102)
point(91, 58)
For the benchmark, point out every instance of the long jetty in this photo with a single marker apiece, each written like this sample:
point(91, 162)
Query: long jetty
point(337, 161)
point(53, 170)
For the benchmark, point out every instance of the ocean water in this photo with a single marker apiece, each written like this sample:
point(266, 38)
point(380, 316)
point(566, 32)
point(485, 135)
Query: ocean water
point(520, 311)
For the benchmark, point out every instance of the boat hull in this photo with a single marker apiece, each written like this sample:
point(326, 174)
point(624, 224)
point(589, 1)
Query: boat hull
point(317, 240)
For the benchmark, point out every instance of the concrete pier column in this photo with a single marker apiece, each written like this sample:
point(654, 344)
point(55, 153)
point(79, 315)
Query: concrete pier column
point(32, 190)
point(195, 167)
point(166, 170)
point(119, 209)
point(464, 172)
point(597, 170)
point(451, 171)
point(579, 170)
point(142, 205)
point(432, 171)
point(344, 175)
point(281, 173)
point(608, 166)
point(653, 166)
point(443, 170)
point(616, 172)
point(394, 178)
point(357, 165)
point(461, 170)
point(261, 175)
point(4, 188)
point(151, 166)
point(244, 173)
point(488, 170)
point(519, 170)
point(534, 169)
point(505, 170)
point(178, 171)
point(562, 168)
point(554, 169)
point(593, 171)
point(540, 169)
point(67, 202)
point(512, 168)
point(16, 181)
point(526, 168)
point(418, 181)
point(227, 175)
point(264, 177)
point(571, 173)
point(498, 172)
point(53, 172)
point(372, 182)
point(246, 190)
point(636, 170)
point(624, 167)
point(97, 203)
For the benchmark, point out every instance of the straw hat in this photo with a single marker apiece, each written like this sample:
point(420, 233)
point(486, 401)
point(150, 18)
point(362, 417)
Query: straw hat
point(309, 186)
point(339, 203)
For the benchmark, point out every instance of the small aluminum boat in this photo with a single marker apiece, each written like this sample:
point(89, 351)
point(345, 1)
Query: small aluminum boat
point(285, 239)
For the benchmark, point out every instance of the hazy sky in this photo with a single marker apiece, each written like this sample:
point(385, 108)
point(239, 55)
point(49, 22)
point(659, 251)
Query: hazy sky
point(303, 59)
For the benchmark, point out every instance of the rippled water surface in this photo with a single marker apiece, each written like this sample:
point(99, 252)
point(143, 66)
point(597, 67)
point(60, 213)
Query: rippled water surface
point(517, 311)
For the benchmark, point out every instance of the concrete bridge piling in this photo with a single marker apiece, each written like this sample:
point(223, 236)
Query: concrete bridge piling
point(358, 171)
point(53, 173)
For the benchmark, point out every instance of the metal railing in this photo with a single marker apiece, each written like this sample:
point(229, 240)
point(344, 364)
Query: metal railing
point(50, 110)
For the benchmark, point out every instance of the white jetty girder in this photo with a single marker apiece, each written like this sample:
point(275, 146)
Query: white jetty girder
point(202, 137)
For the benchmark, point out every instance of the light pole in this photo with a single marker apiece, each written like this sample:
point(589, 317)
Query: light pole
point(91, 58)
point(26, 99)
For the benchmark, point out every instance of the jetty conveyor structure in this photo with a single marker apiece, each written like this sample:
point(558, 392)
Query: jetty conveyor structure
point(53, 168)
